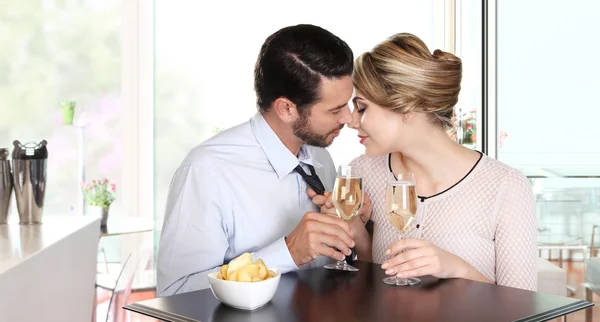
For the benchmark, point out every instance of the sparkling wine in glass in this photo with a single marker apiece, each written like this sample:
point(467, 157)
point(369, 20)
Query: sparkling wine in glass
point(347, 198)
point(401, 208)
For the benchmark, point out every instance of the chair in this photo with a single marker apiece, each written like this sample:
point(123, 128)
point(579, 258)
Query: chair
point(551, 278)
point(105, 260)
point(592, 276)
point(121, 287)
point(593, 248)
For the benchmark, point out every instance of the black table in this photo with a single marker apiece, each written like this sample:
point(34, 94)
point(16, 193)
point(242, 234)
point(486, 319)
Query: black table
point(323, 295)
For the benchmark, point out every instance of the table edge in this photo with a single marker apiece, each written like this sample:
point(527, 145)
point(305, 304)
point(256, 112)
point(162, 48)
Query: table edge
point(127, 233)
point(557, 312)
point(161, 315)
point(552, 314)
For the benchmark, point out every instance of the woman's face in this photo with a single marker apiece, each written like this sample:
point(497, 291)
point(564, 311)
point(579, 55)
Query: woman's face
point(380, 129)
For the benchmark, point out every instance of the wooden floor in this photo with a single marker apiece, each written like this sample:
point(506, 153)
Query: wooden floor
point(103, 297)
point(575, 272)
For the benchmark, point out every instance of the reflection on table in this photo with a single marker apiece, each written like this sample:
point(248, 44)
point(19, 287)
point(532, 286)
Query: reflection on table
point(321, 295)
point(122, 225)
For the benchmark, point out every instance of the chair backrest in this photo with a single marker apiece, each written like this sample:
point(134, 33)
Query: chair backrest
point(123, 285)
point(551, 278)
point(592, 274)
point(593, 249)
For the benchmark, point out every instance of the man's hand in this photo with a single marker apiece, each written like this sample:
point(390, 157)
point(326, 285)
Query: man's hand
point(324, 201)
point(358, 231)
point(319, 235)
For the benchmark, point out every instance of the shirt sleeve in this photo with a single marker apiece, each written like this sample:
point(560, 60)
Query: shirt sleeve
point(194, 240)
point(277, 255)
point(516, 234)
point(196, 233)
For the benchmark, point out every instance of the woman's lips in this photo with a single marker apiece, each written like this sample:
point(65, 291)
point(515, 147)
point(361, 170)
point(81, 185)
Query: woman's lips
point(362, 138)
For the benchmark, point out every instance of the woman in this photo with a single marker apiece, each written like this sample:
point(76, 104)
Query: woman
point(475, 216)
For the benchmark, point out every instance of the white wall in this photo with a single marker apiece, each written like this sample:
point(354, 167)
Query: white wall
point(217, 47)
point(205, 56)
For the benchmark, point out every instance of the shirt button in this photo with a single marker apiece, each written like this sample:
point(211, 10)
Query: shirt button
point(418, 225)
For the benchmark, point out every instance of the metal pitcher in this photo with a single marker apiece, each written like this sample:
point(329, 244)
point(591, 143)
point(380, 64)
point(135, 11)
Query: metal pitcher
point(6, 186)
point(29, 179)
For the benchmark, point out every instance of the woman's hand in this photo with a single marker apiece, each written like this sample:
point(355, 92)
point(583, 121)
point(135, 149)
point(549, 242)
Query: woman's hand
point(423, 258)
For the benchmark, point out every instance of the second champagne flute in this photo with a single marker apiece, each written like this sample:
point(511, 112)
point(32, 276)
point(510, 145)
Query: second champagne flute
point(347, 198)
point(401, 209)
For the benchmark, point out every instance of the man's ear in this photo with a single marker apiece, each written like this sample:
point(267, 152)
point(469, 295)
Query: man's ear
point(285, 109)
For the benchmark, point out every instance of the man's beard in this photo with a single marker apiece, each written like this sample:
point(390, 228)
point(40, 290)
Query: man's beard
point(304, 132)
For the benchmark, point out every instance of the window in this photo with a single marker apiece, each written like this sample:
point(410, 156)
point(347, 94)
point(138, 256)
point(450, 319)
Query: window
point(53, 51)
point(547, 110)
point(469, 47)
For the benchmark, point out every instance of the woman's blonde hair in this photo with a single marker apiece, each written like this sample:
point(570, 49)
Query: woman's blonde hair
point(401, 74)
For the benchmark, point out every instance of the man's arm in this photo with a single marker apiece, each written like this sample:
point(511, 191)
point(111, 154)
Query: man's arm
point(196, 233)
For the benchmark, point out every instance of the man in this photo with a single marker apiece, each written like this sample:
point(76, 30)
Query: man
point(244, 190)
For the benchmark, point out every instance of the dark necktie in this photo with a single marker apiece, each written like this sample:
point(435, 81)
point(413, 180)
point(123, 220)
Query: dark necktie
point(315, 183)
point(312, 180)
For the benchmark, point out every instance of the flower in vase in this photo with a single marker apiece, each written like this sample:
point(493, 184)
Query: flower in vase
point(465, 128)
point(99, 193)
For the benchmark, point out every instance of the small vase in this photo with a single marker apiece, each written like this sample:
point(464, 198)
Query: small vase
point(67, 114)
point(99, 211)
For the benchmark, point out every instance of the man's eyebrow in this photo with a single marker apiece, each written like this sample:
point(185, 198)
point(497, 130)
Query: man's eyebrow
point(338, 107)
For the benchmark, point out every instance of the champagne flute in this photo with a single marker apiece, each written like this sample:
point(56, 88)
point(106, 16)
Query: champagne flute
point(347, 198)
point(401, 208)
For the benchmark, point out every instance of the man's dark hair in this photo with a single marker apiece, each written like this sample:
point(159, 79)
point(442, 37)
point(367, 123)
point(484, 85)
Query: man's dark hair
point(293, 60)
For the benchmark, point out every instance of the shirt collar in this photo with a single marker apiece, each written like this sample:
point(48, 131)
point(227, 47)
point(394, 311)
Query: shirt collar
point(280, 157)
point(306, 155)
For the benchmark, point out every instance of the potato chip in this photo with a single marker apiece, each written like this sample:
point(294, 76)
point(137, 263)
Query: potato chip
point(244, 276)
point(252, 269)
point(243, 269)
point(233, 277)
point(263, 272)
point(239, 262)
point(223, 271)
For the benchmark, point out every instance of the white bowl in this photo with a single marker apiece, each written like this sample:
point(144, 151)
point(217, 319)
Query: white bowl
point(244, 295)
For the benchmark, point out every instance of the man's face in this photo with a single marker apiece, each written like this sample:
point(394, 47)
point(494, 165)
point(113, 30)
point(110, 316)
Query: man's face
point(321, 123)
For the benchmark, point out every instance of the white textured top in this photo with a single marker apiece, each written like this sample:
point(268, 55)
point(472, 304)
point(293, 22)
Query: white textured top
point(488, 219)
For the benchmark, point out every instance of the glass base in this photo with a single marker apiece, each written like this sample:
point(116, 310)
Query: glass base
point(341, 266)
point(401, 281)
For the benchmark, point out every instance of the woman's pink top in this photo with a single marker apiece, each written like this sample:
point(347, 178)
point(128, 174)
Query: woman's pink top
point(488, 219)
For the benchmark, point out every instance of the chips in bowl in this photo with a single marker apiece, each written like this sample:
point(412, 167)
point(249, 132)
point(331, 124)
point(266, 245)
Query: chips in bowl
point(244, 284)
point(243, 269)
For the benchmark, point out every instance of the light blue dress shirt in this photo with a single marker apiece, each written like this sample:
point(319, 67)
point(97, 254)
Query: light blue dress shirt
point(235, 193)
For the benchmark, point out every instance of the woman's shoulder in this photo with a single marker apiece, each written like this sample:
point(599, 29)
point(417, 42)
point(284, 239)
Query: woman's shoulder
point(497, 168)
point(509, 178)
